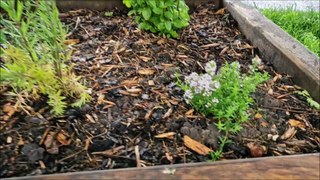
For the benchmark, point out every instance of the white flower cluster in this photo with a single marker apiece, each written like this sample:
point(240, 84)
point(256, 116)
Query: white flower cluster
point(211, 68)
point(202, 84)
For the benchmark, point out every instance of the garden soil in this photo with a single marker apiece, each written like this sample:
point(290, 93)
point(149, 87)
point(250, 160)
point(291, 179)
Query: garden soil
point(137, 116)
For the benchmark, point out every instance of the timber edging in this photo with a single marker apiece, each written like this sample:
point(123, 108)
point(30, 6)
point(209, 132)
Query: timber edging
point(305, 166)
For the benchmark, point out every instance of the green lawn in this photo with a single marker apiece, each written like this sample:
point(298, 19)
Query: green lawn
point(304, 26)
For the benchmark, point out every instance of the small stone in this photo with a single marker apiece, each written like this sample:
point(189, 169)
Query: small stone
point(151, 83)
point(202, 33)
point(275, 137)
point(9, 139)
point(145, 96)
point(269, 136)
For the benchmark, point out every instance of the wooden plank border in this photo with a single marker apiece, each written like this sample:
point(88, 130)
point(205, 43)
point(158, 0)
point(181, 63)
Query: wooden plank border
point(286, 54)
point(304, 166)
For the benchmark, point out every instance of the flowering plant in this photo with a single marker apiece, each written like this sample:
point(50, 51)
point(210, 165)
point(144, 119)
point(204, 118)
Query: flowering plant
point(224, 95)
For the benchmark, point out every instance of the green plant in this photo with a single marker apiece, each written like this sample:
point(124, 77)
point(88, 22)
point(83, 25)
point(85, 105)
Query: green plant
point(35, 57)
point(304, 26)
point(160, 16)
point(309, 99)
point(224, 95)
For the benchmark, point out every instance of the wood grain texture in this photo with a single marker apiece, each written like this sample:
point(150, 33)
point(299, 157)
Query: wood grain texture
point(282, 167)
point(276, 46)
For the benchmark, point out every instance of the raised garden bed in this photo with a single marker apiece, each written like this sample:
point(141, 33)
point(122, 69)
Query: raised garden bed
point(136, 102)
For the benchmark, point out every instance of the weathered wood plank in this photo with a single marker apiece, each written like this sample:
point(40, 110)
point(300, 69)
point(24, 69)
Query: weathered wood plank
point(285, 53)
point(281, 167)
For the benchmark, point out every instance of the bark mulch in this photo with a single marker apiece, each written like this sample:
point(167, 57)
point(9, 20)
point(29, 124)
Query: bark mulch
point(137, 116)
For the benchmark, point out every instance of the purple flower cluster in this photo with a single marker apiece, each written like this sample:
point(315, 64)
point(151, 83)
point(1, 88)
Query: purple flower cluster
point(202, 84)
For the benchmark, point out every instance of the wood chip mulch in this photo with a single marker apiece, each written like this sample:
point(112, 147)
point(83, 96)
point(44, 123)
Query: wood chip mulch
point(137, 117)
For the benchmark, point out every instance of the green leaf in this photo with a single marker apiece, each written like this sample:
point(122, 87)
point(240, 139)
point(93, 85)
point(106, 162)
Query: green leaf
point(108, 14)
point(152, 3)
point(132, 12)
point(168, 15)
point(157, 10)
point(311, 102)
point(127, 3)
point(168, 25)
point(146, 13)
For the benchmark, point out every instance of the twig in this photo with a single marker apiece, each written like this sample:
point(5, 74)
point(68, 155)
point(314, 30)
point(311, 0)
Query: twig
point(74, 29)
point(44, 136)
point(289, 110)
point(136, 151)
point(70, 156)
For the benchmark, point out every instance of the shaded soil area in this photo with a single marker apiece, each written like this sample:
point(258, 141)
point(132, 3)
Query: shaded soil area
point(137, 116)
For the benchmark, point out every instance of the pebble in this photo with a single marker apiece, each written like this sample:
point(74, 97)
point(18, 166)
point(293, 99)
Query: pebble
point(275, 137)
point(269, 136)
point(9, 139)
point(145, 96)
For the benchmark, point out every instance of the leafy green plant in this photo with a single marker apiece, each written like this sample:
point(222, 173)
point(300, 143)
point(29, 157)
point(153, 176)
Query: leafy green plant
point(224, 95)
point(160, 16)
point(309, 99)
point(35, 57)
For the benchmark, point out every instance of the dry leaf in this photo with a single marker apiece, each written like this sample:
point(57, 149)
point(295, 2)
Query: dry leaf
point(130, 82)
point(127, 93)
point(258, 116)
point(166, 135)
point(145, 59)
point(71, 41)
point(110, 151)
point(134, 90)
point(42, 165)
point(169, 157)
point(210, 45)
point(9, 110)
point(168, 113)
point(161, 41)
point(190, 112)
point(51, 145)
point(264, 124)
point(20, 142)
point(256, 150)
point(63, 138)
point(224, 50)
point(276, 77)
point(100, 99)
point(167, 65)
point(151, 83)
point(291, 131)
point(182, 56)
point(221, 11)
point(296, 123)
point(90, 118)
point(146, 71)
point(196, 146)
point(148, 114)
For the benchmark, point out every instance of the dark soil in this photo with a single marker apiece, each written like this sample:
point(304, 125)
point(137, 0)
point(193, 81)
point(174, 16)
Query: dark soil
point(131, 74)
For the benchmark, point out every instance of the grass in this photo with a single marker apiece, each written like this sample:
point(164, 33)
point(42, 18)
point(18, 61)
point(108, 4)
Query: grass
point(304, 26)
